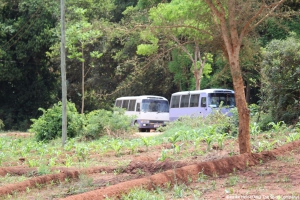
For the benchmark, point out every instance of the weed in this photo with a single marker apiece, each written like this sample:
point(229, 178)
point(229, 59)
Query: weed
point(116, 145)
point(201, 176)
point(141, 194)
point(164, 155)
point(213, 183)
point(232, 180)
point(140, 171)
point(146, 142)
point(44, 169)
point(179, 191)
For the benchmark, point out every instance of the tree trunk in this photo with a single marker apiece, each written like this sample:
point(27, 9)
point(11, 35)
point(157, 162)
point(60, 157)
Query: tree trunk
point(243, 111)
point(248, 92)
point(82, 85)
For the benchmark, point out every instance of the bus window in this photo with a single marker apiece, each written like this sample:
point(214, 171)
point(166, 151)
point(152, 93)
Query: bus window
point(125, 104)
point(227, 99)
point(119, 103)
point(184, 101)
point(138, 108)
point(194, 102)
point(131, 105)
point(203, 102)
point(151, 105)
point(175, 102)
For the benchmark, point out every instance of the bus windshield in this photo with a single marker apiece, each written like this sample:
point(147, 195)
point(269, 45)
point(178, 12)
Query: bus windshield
point(154, 105)
point(215, 99)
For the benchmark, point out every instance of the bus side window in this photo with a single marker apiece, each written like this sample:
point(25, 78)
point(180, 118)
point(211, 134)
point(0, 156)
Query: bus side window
point(203, 101)
point(194, 102)
point(184, 101)
point(119, 103)
point(175, 102)
point(138, 107)
point(131, 105)
point(125, 104)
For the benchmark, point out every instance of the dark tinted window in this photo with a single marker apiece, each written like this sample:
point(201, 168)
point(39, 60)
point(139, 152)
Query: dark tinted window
point(184, 101)
point(125, 104)
point(227, 99)
point(194, 102)
point(175, 101)
point(154, 105)
point(131, 105)
point(119, 103)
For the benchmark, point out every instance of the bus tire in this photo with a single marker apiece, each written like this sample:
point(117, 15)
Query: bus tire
point(141, 130)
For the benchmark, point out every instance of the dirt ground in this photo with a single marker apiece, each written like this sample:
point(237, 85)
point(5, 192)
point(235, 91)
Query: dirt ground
point(218, 174)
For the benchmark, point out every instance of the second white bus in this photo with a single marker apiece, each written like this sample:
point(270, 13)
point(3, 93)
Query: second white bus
point(200, 102)
point(151, 111)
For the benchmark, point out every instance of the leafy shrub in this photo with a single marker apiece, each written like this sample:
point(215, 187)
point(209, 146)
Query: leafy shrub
point(281, 90)
point(104, 122)
point(189, 124)
point(93, 127)
point(49, 125)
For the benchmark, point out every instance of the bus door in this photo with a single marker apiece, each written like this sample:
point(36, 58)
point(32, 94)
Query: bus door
point(204, 109)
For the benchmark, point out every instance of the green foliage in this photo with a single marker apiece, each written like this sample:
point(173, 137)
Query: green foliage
point(141, 194)
point(147, 49)
point(280, 76)
point(105, 122)
point(93, 127)
point(25, 36)
point(49, 125)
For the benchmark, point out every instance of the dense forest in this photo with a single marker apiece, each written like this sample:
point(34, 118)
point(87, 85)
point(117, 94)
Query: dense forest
point(136, 47)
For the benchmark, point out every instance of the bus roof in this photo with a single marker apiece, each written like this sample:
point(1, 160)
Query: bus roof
point(204, 91)
point(142, 97)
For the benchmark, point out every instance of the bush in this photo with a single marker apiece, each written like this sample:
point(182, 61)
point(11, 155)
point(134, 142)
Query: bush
point(104, 122)
point(222, 122)
point(49, 125)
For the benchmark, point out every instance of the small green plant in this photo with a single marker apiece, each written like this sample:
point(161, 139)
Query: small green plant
point(220, 139)
point(142, 194)
point(44, 169)
point(276, 126)
point(133, 146)
point(292, 137)
point(146, 142)
point(173, 139)
point(255, 129)
point(116, 145)
point(208, 139)
point(164, 155)
point(201, 176)
point(232, 180)
point(140, 171)
point(82, 152)
point(69, 161)
point(33, 163)
point(179, 190)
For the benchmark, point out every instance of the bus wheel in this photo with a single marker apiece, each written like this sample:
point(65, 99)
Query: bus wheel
point(141, 130)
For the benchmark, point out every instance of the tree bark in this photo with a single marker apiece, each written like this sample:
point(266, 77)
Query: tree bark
point(240, 98)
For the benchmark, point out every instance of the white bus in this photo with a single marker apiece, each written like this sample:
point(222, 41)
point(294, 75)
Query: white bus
point(151, 111)
point(200, 102)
